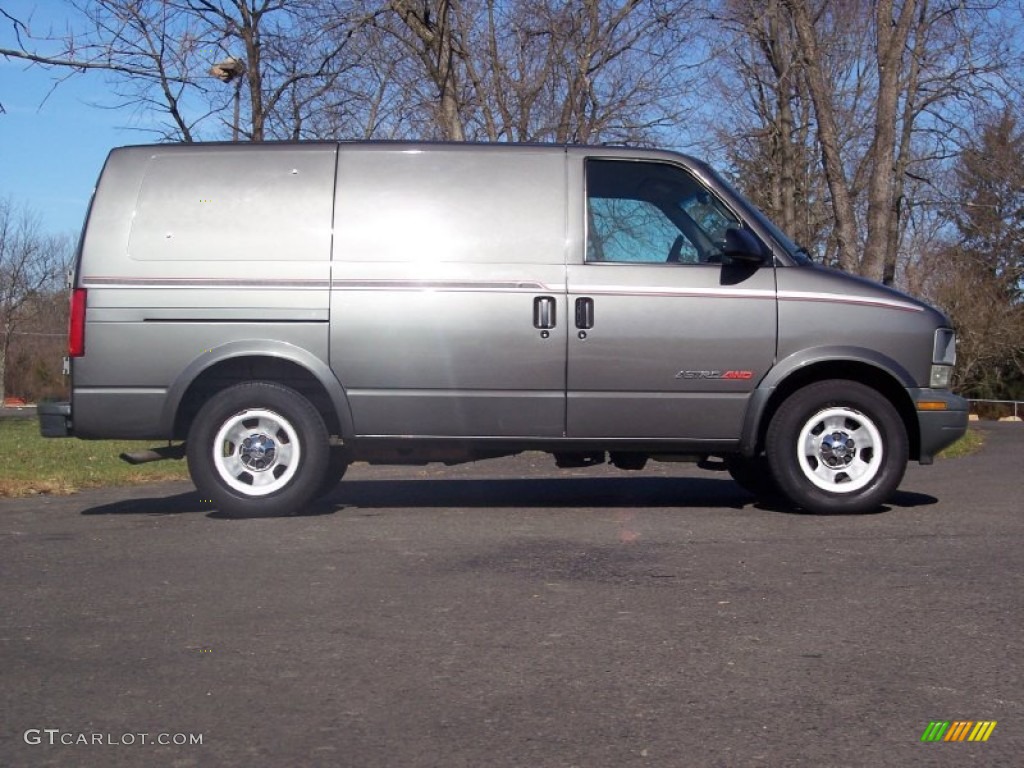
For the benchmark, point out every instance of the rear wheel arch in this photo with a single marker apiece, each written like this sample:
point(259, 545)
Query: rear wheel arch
point(309, 377)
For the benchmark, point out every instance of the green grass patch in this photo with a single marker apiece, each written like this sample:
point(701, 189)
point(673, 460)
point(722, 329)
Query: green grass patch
point(971, 442)
point(31, 464)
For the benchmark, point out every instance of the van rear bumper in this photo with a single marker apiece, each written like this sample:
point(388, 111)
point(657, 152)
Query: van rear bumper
point(54, 419)
point(106, 414)
point(941, 427)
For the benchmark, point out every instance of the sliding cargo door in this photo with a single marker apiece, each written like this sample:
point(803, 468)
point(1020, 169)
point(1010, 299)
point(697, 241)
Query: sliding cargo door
point(448, 307)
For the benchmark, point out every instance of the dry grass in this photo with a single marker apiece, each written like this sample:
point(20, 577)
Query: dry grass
point(30, 464)
point(971, 442)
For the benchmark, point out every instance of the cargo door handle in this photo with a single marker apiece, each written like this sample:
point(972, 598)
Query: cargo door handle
point(544, 312)
point(584, 314)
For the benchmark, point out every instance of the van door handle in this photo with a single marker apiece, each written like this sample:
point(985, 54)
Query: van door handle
point(545, 314)
point(584, 313)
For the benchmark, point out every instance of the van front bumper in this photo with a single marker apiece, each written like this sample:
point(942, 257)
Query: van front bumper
point(941, 418)
point(54, 419)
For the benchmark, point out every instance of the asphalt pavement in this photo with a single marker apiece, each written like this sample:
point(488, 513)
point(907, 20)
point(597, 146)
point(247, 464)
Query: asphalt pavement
point(507, 613)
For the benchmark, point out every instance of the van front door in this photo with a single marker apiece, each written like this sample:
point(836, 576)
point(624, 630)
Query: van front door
point(669, 335)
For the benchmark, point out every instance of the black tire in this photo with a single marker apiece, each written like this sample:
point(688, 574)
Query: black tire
point(258, 449)
point(755, 476)
point(337, 464)
point(837, 447)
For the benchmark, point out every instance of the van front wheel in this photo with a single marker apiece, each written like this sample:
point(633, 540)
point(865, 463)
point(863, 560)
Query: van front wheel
point(258, 449)
point(837, 447)
point(754, 475)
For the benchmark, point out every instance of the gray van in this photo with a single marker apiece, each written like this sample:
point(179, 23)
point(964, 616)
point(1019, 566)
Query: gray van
point(287, 309)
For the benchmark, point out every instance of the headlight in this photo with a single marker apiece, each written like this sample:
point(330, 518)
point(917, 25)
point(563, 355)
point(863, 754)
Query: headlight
point(940, 376)
point(943, 358)
point(944, 348)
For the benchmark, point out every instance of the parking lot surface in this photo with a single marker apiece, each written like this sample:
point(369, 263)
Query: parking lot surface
point(509, 614)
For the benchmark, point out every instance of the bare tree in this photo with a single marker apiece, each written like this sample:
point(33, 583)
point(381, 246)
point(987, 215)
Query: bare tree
point(614, 72)
point(158, 56)
point(804, 19)
point(31, 263)
point(523, 70)
point(294, 54)
point(977, 276)
point(379, 98)
point(147, 49)
point(990, 327)
point(877, 90)
point(35, 356)
point(990, 216)
point(768, 129)
point(539, 70)
point(428, 30)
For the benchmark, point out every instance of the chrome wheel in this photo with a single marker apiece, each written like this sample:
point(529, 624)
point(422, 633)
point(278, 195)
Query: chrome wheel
point(840, 450)
point(257, 449)
point(837, 447)
point(257, 452)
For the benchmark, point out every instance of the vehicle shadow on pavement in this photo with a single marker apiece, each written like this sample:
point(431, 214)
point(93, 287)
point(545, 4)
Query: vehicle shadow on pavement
point(908, 499)
point(633, 492)
point(541, 492)
point(901, 499)
point(184, 504)
point(179, 504)
point(563, 492)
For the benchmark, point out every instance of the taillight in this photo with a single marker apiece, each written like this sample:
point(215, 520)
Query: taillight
point(76, 324)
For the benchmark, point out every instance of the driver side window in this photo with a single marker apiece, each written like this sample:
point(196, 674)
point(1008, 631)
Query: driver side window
point(626, 230)
point(652, 213)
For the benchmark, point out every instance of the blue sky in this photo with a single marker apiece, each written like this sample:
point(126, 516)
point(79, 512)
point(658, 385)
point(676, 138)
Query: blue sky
point(52, 148)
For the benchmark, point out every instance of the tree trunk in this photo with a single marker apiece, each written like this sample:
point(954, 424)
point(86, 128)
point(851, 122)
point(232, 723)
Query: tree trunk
point(892, 39)
point(437, 52)
point(5, 344)
point(828, 137)
point(779, 53)
point(903, 150)
point(250, 35)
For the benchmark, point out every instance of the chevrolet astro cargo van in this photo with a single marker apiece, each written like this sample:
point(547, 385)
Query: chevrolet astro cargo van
point(287, 309)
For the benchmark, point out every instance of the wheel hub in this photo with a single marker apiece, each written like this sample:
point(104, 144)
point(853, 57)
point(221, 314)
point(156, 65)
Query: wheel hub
point(258, 452)
point(838, 449)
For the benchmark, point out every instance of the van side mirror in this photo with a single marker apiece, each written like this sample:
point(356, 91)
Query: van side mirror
point(742, 247)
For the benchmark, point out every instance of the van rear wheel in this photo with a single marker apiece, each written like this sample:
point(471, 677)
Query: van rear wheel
point(837, 447)
point(258, 449)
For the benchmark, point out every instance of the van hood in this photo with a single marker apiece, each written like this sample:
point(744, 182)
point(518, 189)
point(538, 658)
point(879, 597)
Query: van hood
point(828, 281)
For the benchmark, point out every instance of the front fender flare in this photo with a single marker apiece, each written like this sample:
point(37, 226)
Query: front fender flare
point(801, 362)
